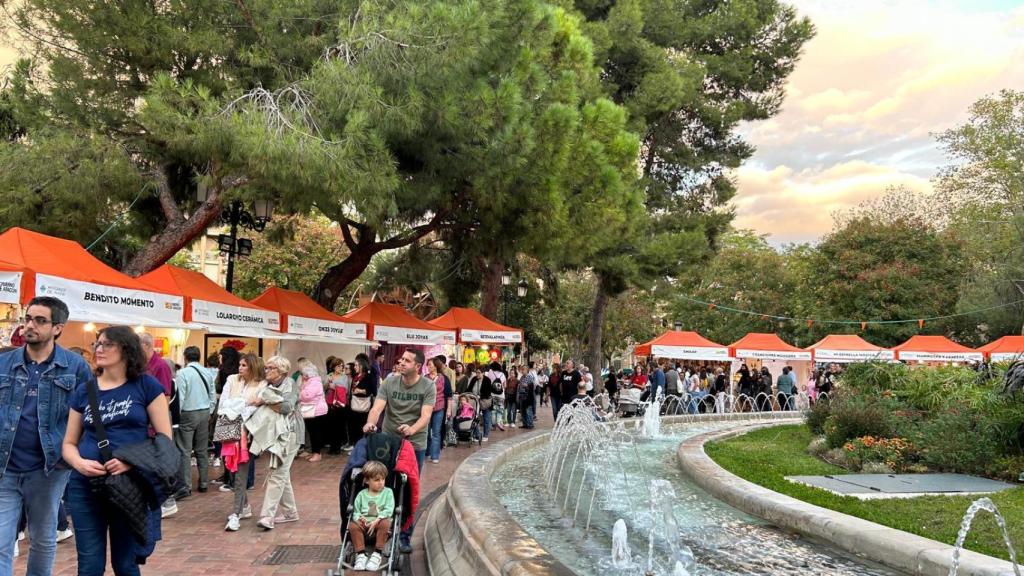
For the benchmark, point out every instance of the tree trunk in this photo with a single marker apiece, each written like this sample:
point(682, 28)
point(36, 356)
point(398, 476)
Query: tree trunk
point(594, 352)
point(173, 238)
point(490, 293)
point(339, 276)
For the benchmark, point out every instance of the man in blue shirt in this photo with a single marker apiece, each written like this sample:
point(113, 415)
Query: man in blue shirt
point(195, 387)
point(35, 383)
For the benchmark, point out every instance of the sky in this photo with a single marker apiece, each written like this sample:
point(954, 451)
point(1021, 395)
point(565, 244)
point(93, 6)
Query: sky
point(872, 90)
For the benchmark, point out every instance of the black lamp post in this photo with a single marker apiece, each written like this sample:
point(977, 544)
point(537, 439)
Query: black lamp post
point(235, 215)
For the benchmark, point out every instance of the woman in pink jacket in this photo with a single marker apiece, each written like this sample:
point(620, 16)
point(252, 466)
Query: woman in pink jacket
point(313, 407)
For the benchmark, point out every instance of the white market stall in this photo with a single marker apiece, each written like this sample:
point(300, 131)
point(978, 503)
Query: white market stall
point(846, 348)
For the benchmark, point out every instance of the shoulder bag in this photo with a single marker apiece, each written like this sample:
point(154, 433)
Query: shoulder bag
point(126, 492)
point(227, 429)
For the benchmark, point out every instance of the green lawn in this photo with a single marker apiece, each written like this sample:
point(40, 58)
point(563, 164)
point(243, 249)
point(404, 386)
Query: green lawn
point(768, 455)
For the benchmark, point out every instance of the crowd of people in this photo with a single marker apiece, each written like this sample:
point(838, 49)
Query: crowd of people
point(114, 433)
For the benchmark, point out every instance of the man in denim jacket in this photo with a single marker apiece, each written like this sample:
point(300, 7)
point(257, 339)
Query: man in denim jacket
point(35, 382)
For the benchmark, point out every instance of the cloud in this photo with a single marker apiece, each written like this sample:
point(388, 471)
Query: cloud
point(797, 205)
point(872, 89)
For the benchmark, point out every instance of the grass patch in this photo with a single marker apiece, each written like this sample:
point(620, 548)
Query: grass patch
point(767, 456)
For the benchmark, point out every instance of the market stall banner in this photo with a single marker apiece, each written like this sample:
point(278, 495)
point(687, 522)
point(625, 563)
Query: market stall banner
point(490, 336)
point(690, 352)
point(10, 287)
point(399, 335)
point(822, 355)
point(1005, 356)
point(326, 328)
point(773, 354)
point(941, 356)
point(206, 312)
point(90, 302)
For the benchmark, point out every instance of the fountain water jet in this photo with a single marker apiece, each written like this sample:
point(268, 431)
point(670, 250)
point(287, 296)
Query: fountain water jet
point(965, 527)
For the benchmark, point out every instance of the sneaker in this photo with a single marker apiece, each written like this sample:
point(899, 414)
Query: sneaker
point(485, 439)
point(405, 547)
point(512, 425)
point(285, 518)
point(182, 494)
point(168, 508)
point(63, 535)
point(360, 565)
point(373, 564)
point(233, 524)
point(246, 512)
point(347, 448)
point(267, 523)
point(225, 488)
point(435, 461)
point(216, 464)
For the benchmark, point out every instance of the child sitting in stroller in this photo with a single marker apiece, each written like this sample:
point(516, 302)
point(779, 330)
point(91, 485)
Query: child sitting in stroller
point(371, 517)
point(466, 410)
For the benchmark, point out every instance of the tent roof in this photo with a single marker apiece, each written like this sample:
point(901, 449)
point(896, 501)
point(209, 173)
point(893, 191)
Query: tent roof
point(42, 254)
point(294, 304)
point(844, 342)
point(935, 348)
point(934, 344)
point(473, 326)
point(676, 338)
point(767, 347)
point(412, 330)
point(1006, 345)
point(172, 279)
point(848, 348)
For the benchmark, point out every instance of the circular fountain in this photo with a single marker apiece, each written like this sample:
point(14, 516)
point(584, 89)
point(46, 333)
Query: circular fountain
point(594, 497)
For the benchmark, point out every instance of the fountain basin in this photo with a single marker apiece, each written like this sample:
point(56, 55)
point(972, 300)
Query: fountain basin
point(469, 531)
point(894, 548)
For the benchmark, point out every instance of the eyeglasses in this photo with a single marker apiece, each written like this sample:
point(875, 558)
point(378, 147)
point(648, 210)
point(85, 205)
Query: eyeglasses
point(103, 345)
point(37, 320)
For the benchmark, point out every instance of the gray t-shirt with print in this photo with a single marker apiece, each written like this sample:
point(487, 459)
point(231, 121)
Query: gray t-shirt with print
point(405, 404)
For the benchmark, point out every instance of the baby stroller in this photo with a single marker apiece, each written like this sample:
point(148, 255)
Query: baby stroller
point(403, 478)
point(468, 430)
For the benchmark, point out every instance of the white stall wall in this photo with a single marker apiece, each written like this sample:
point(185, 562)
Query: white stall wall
point(315, 352)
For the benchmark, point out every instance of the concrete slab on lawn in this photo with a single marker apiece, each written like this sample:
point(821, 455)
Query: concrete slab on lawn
point(867, 486)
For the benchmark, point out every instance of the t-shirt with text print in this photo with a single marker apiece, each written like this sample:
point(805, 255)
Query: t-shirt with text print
point(123, 411)
point(405, 404)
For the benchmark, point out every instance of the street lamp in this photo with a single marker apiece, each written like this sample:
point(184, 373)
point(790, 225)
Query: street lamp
point(506, 278)
point(235, 215)
point(521, 288)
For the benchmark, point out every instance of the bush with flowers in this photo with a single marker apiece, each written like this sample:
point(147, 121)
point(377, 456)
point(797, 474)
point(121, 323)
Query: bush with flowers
point(895, 453)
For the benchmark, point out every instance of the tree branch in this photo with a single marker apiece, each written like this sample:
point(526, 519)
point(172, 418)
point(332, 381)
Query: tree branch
point(167, 204)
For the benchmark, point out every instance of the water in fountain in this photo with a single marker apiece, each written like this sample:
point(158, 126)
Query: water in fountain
point(622, 557)
point(965, 527)
point(650, 425)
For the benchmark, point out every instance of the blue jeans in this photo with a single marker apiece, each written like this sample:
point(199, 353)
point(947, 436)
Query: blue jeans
point(250, 480)
point(94, 520)
point(39, 494)
point(434, 435)
point(556, 405)
point(406, 535)
point(487, 422)
point(527, 415)
point(510, 412)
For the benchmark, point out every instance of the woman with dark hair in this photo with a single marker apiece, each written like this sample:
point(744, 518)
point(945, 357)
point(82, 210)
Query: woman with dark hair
point(228, 359)
point(338, 383)
point(130, 402)
point(364, 388)
point(442, 411)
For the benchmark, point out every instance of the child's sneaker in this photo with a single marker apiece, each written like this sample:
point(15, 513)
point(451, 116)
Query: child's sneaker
point(360, 564)
point(374, 563)
point(233, 523)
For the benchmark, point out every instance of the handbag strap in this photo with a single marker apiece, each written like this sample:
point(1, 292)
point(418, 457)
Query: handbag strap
point(97, 420)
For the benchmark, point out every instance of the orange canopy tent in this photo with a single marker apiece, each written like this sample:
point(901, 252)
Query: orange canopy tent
point(473, 327)
point(766, 347)
point(683, 346)
point(392, 324)
point(213, 308)
point(93, 291)
point(935, 349)
point(1004, 349)
point(848, 348)
point(302, 316)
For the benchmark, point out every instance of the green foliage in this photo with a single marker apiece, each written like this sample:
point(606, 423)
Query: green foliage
point(817, 416)
point(959, 440)
point(767, 456)
point(855, 415)
point(292, 255)
point(895, 454)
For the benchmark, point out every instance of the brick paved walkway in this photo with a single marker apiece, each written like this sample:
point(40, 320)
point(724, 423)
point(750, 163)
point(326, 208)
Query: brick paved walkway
point(195, 541)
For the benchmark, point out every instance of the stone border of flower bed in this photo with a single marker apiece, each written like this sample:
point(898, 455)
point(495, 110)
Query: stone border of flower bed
point(894, 548)
point(468, 531)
